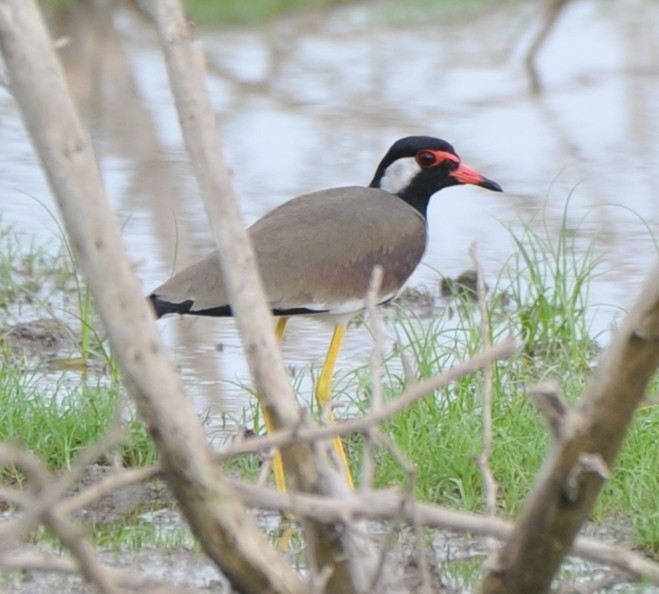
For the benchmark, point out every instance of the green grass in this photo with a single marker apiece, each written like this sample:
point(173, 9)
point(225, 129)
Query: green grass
point(239, 12)
point(257, 12)
point(28, 270)
point(142, 532)
point(540, 296)
point(57, 421)
point(41, 281)
point(549, 291)
point(56, 407)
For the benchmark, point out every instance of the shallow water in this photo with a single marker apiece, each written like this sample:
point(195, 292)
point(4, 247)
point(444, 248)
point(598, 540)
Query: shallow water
point(314, 101)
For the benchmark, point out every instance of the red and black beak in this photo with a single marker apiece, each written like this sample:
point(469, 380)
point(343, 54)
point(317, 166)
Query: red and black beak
point(466, 175)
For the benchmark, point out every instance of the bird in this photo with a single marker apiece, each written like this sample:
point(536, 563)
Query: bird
point(316, 253)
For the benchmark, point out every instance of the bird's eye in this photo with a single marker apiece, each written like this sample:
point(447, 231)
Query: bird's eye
point(426, 158)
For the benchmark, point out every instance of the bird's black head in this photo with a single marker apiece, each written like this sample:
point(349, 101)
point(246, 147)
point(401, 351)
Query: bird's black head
point(416, 167)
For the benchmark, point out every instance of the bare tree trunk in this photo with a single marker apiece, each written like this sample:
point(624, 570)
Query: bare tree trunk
point(586, 442)
point(215, 513)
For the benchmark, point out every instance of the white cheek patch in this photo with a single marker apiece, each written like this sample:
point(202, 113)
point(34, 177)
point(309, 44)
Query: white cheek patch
point(399, 175)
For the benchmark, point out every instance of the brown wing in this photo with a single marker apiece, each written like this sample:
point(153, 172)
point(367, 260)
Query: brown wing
point(317, 252)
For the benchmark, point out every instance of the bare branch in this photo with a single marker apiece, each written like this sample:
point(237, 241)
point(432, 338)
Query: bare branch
point(549, 401)
point(51, 491)
point(309, 469)
point(113, 482)
point(585, 445)
point(499, 351)
point(368, 459)
point(491, 487)
point(215, 513)
point(386, 505)
point(186, 68)
point(41, 506)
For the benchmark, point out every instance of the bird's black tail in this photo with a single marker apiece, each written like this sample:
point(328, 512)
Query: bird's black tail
point(162, 308)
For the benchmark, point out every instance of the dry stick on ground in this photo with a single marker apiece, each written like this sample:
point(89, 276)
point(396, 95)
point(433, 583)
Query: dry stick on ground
point(585, 444)
point(326, 543)
point(211, 506)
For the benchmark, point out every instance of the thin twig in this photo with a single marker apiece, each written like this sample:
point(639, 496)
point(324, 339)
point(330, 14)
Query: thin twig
point(385, 505)
point(67, 565)
point(368, 460)
point(484, 331)
point(420, 549)
point(41, 505)
point(114, 481)
point(501, 350)
point(47, 498)
point(64, 148)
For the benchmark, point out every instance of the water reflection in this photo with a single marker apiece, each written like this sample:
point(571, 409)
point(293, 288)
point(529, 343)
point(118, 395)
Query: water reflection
point(313, 102)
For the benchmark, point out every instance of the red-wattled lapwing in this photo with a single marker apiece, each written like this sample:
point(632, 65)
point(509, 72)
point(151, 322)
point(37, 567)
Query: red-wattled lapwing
point(316, 252)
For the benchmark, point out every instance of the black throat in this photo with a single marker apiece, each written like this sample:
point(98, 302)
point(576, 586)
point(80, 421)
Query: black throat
point(427, 181)
point(420, 189)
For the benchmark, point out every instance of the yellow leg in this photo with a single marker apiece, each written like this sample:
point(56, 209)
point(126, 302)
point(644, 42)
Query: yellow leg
point(281, 326)
point(323, 394)
point(277, 464)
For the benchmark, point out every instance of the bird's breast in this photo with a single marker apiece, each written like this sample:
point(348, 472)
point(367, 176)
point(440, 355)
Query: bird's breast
point(319, 251)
